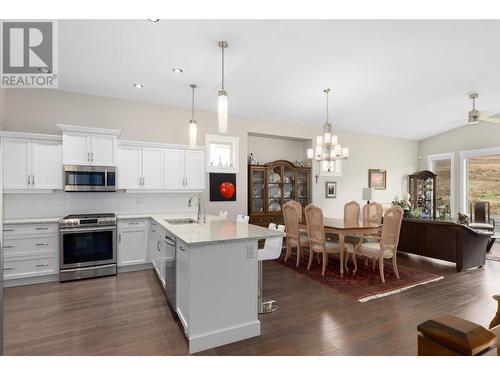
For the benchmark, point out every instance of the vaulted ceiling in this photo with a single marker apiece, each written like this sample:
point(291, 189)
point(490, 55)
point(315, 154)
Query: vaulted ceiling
point(406, 79)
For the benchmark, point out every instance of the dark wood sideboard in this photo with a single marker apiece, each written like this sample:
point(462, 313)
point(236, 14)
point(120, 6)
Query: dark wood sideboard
point(444, 240)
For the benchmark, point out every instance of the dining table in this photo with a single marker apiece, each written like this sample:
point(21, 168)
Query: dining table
point(342, 229)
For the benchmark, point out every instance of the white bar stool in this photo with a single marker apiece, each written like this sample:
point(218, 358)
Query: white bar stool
point(272, 250)
point(242, 219)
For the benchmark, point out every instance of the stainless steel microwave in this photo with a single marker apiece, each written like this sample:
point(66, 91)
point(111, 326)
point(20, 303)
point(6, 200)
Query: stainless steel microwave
point(89, 178)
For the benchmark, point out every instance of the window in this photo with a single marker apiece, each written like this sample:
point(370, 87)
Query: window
point(443, 166)
point(222, 153)
point(481, 179)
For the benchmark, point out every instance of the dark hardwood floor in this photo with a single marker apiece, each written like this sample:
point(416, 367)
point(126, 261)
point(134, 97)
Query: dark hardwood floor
point(128, 315)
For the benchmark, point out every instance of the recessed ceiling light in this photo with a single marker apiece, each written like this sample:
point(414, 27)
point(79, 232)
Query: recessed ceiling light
point(153, 19)
point(138, 85)
point(44, 70)
point(177, 70)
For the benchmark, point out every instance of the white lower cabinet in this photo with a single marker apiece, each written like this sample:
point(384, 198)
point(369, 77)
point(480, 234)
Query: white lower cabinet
point(30, 250)
point(182, 285)
point(132, 242)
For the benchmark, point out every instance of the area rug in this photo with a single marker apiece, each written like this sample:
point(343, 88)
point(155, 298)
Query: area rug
point(366, 284)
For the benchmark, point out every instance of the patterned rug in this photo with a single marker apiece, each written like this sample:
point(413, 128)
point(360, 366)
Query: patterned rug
point(494, 254)
point(366, 284)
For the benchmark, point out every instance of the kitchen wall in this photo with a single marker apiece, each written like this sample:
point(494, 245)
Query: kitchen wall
point(39, 110)
point(468, 137)
point(2, 108)
point(266, 149)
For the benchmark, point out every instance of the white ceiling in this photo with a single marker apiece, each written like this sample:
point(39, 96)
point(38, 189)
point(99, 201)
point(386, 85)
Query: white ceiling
point(405, 79)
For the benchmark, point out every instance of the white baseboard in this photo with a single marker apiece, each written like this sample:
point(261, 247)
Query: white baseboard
point(213, 339)
point(31, 280)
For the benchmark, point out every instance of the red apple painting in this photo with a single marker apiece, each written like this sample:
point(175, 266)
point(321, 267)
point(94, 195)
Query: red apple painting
point(222, 187)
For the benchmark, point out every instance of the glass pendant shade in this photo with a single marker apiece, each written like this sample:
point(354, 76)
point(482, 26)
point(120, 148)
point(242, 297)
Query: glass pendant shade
point(338, 149)
point(223, 111)
point(310, 153)
point(345, 152)
point(193, 131)
point(319, 140)
point(328, 138)
point(334, 140)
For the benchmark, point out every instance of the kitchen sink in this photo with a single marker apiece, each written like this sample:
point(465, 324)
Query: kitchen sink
point(181, 221)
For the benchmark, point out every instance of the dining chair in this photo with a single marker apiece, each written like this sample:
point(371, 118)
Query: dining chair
point(294, 237)
point(242, 219)
point(351, 217)
point(223, 214)
point(387, 247)
point(298, 206)
point(318, 243)
point(271, 250)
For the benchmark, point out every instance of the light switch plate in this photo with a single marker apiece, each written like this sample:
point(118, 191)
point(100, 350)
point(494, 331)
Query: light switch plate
point(250, 252)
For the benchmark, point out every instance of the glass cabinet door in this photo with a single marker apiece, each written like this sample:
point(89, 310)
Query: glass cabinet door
point(302, 184)
point(288, 184)
point(274, 189)
point(257, 192)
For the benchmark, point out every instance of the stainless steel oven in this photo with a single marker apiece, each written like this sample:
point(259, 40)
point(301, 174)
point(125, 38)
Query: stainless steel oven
point(88, 246)
point(89, 178)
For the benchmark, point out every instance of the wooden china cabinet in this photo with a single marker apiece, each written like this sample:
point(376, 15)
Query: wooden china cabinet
point(273, 184)
point(422, 189)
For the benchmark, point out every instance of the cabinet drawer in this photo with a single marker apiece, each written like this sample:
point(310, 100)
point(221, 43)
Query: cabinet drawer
point(31, 243)
point(15, 230)
point(41, 264)
point(132, 223)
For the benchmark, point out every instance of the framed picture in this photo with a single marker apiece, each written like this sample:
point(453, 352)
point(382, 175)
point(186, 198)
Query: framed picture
point(222, 187)
point(331, 189)
point(377, 178)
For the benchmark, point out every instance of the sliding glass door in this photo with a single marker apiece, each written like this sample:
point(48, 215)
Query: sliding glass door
point(481, 179)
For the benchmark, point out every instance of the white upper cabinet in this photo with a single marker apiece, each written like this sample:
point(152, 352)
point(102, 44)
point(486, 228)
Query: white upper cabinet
point(174, 170)
point(194, 169)
point(16, 163)
point(46, 165)
point(31, 164)
point(140, 168)
point(184, 170)
point(89, 146)
point(152, 168)
point(130, 167)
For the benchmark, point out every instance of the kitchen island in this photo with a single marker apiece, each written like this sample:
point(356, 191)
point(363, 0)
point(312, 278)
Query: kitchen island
point(216, 279)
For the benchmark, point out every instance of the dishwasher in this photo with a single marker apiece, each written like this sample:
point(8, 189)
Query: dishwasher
point(169, 267)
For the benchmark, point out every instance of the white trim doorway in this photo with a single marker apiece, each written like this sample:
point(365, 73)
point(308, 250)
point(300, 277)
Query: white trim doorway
point(445, 156)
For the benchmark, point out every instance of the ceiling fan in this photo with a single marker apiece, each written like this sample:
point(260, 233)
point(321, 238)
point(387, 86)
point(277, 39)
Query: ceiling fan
point(475, 116)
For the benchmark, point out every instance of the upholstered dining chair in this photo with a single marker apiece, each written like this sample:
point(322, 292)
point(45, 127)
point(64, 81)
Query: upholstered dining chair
point(387, 247)
point(294, 237)
point(318, 243)
point(298, 206)
point(351, 217)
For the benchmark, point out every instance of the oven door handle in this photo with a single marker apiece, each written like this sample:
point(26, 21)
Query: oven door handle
point(86, 230)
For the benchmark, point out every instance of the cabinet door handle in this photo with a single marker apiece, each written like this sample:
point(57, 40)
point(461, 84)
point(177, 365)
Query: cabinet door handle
point(9, 230)
point(29, 179)
point(88, 157)
point(42, 228)
point(182, 249)
point(92, 156)
point(119, 237)
point(133, 223)
point(42, 244)
point(9, 269)
point(42, 265)
point(9, 246)
point(32, 179)
point(143, 181)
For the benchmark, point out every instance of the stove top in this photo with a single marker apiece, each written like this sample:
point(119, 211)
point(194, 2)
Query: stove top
point(87, 220)
point(87, 216)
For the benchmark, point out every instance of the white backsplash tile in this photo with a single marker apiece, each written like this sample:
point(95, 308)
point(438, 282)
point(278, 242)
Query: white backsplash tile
point(36, 205)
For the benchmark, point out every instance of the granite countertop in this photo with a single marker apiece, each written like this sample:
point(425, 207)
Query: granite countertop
point(39, 220)
point(214, 230)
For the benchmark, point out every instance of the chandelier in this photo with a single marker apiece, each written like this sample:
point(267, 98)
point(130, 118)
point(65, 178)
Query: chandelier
point(328, 150)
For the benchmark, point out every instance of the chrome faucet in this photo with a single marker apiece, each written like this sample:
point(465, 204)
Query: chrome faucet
point(201, 216)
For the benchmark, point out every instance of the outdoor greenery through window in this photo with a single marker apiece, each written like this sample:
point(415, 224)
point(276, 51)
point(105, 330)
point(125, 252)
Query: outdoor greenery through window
point(483, 181)
point(443, 187)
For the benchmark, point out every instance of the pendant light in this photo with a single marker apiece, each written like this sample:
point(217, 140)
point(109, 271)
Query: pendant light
point(193, 126)
point(328, 150)
point(223, 100)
